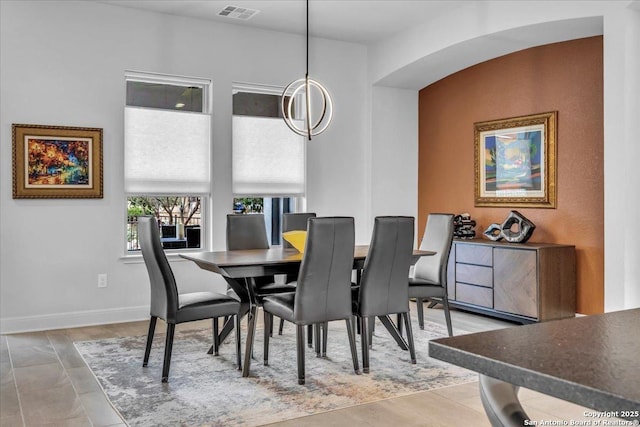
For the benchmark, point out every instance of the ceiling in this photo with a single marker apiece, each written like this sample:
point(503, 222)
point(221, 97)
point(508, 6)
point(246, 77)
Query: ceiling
point(370, 21)
point(358, 21)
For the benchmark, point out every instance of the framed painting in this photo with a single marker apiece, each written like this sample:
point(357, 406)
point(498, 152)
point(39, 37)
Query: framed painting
point(56, 162)
point(515, 161)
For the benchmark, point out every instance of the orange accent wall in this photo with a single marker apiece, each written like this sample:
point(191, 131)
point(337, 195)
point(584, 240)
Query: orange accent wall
point(566, 77)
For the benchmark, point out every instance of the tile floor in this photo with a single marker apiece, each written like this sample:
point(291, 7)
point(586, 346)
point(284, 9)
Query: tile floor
point(44, 382)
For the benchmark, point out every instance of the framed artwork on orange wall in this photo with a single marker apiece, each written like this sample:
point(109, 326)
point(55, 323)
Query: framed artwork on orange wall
point(515, 161)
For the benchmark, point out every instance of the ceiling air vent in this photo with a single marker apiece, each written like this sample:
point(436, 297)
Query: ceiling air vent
point(236, 12)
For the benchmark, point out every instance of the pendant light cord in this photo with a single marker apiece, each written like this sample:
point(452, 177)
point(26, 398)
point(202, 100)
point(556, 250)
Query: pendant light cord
point(307, 90)
point(307, 74)
point(296, 88)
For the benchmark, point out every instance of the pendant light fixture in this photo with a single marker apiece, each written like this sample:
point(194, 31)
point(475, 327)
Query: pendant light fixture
point(307, 86)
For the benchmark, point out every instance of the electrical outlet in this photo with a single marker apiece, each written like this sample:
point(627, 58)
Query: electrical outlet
point(102, 280)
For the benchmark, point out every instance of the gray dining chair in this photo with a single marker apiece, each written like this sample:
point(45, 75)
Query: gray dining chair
point(248, 231)
point(383, 288)
point(174, 307)
point(323, 288)
point(429, 281)
point(295, 221)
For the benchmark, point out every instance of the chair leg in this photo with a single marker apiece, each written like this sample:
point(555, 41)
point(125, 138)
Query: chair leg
point(268, 323)
point(168, 345)
point(399, 323)
point(447, 315)
point(318, 338)
point(325, 332)
point(281, 327)
point(147, 351)
point(364, 338)
point(216, 337)
point(238, 343)
point(249, 322)
point(300, 352)
point(352, 344)
point(271, 326)
point(407, 324)
point(419, 302)
point(310, 336)
point(371, 327)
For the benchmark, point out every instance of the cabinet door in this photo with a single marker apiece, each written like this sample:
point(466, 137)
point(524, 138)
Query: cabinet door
point(515, 281)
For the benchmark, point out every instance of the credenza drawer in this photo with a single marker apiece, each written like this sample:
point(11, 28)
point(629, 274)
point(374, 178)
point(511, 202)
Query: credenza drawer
point(474, 295)
point(474, 275)
point(474, 254)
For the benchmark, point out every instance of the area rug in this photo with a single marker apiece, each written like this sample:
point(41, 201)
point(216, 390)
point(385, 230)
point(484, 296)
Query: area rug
point(208, 390)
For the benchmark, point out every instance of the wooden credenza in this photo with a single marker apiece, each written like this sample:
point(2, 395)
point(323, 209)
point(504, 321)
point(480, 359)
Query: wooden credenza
point(523, 282)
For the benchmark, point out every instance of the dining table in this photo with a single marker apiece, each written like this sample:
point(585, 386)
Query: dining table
point(240, 267)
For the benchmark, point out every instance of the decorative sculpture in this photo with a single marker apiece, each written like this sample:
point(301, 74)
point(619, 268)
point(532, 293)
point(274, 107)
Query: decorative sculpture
point(521, 234)
point(493, 232)
point(464, 226)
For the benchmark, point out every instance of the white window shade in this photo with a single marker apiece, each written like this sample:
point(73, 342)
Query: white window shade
point(166, 152)
point(268, 158)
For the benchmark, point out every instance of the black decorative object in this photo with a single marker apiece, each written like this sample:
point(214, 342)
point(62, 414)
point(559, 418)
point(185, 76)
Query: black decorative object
point(523, 232)
point(464, 226)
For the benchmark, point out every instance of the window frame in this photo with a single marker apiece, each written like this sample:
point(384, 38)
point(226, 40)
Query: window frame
point(206, 198)
point(298, 202)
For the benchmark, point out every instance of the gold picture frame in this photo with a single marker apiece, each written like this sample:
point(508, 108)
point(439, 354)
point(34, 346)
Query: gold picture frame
point(56, 162)
point(515, 161)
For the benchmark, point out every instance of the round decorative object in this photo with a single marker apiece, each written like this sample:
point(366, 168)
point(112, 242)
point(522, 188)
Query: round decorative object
point(313, 125)
point(523, 232)
point(493, 232)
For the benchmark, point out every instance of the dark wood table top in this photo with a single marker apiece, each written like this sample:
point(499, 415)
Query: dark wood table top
point(260, 262)
point(593, 361)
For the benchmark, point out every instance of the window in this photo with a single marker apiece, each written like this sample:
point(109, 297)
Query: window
point(268, 160)
point(272, 208)
point(180, 219)
point(167, 156)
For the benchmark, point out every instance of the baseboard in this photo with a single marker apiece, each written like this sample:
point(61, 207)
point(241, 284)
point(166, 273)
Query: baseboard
point(12, 325)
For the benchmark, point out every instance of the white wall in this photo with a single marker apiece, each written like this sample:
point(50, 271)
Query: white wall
point(63, 63)
point(622, 149)
point(394, 152)
point(482, 30)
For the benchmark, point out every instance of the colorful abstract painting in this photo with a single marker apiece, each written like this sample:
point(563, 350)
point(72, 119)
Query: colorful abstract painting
point(515, 161)
point(58, 161)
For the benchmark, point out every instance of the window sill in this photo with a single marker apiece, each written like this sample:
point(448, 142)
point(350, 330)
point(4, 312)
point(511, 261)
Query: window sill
point(172, 256)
